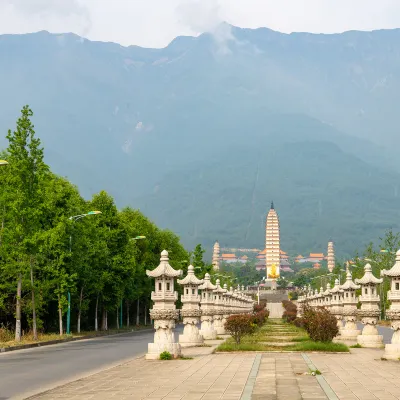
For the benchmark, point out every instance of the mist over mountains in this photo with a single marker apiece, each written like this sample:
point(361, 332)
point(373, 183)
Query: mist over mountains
point(203, 134)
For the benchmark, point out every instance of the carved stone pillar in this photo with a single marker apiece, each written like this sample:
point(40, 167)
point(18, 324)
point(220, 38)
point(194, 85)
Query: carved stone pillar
point(392, 350)
point(337, 304)
point(369, 311)
point(350, 331)
point(190, 312)
point(207, 309)
point(164, 312)
point(219, 309)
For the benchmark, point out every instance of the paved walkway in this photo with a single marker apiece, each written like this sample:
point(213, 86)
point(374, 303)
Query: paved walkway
point(361, 375)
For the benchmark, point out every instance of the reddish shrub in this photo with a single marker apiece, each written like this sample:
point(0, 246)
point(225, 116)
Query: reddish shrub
point(299, 322)
point(320, 324)
point(259, 307)
point(239, 325)
point(290, 313)
point(260, 317)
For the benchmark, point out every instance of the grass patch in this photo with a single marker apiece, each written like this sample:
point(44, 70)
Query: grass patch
point(184, 358)
point(203, 345)
point(232, 346)
point(319, 346)
point(356, 346)
point(315, 372)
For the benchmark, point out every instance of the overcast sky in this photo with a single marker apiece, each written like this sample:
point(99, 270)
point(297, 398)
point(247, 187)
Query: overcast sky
point(154, 23)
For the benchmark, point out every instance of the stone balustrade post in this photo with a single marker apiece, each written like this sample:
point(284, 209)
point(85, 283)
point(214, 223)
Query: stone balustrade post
point(218, 308)
point(190, 312)
point(164, 312)
point(328, 297)
point(337, 304)
point(392, 350)
point(226, 298)
point(369, 311)
point(350, 300)
point(207, 309)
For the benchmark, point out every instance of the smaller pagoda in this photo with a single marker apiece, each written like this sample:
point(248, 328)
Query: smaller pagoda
point(369, 311)
point(337, 304)
point(392, 350)
point(190, 312)
point(350, 331)
point(207, 309)
point(164, 312)
point(219, 308)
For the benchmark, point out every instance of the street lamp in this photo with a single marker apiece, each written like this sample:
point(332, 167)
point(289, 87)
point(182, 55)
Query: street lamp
point(73, 219)
point(3, 162)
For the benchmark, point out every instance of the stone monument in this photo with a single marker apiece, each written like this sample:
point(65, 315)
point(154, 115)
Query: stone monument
point(216, 256)
point(164, 312)
point(331, 256)
point(327, 297)
point(226, 298)
point(369, 311)
point(207, 309)
point(392, 350)
point(190, 312)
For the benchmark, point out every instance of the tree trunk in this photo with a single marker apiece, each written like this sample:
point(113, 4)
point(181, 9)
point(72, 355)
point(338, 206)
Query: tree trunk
point(145, 314)
point(106, 320)
point(96, 318)
point(127, 313)
point(103, 320)
point(34, 325)
point(80, 311)
point(117, 318)
point(137, 313)
point(60, 321)
point(18, 311)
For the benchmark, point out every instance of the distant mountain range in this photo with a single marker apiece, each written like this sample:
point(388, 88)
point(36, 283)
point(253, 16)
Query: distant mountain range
point(203, 134)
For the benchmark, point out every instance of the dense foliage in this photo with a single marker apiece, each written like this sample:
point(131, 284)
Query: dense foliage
point(45, 256)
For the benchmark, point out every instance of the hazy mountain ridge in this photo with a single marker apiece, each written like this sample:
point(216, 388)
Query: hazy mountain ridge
point(129, 120)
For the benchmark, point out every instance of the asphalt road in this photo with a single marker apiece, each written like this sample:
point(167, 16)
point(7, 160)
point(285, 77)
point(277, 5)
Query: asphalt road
point(27, 372)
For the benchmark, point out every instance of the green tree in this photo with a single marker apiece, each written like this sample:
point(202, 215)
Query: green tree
point(24, 196)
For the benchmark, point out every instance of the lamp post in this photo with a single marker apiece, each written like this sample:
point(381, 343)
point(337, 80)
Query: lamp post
point(137, 305)
point(75, 218)
point(3, 162)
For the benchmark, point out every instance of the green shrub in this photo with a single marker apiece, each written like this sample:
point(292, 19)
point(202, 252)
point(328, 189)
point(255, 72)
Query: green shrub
point(165, 355)
point(239, 325)
point(320, 324)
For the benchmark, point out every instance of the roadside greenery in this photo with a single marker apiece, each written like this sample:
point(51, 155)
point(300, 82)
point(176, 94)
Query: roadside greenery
point(46, 256)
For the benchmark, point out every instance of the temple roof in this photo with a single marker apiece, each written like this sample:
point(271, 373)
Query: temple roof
point(207, 285)
point(164, 268)
point(395, 270)
point(349, 284)
point(190, 278)
point(368, 276)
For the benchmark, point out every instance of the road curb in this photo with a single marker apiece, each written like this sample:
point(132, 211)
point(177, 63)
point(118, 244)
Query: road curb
point(59, 341)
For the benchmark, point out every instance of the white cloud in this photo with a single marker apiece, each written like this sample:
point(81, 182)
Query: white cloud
point(155, 23)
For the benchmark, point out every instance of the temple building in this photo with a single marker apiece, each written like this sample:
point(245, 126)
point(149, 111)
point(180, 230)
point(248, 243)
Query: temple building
point(272, 244)
point(331, 256)
point(216, 257)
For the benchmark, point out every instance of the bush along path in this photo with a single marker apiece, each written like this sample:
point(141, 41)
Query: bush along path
point(278, 335)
